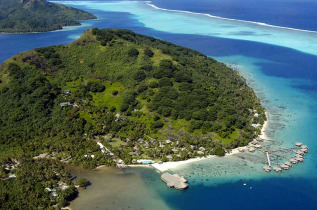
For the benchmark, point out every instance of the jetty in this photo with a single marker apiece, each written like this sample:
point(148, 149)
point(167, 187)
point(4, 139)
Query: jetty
point(175, 180)
point(291, 156)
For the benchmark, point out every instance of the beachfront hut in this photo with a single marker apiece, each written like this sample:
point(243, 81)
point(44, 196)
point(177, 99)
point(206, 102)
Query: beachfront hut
point(258, 146)
point(241, 149)
point(65, 104)
point(168, 141)
point(200, 152)
point(202, 149)
point(141, 141)
point(251, 149)
point(174, 151)
point(260, 140)
point(298, 144)
point(254, 142)
point(267, 168)
point(169, 157)
point(277, 169)
point(66, 92)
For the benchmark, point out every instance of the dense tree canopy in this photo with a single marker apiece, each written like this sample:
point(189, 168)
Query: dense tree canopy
point(60, 100)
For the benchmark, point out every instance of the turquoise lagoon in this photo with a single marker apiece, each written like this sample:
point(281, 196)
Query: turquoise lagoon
point(279, 63)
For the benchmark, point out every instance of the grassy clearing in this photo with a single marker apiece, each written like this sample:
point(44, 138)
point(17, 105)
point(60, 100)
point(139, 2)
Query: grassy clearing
point(107, 98)
point(234, 135)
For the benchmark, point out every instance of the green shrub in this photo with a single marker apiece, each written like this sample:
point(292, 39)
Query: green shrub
point(133, 52)
point(148, 52)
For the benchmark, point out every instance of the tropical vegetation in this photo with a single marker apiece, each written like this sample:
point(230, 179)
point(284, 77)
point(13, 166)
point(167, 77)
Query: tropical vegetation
point(22, 16)
point(114, 95)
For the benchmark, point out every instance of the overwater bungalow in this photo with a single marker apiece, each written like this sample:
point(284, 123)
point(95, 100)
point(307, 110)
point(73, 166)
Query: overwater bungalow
point(300, 159)
point(299, 152)
point(304, 150)
point(298, 144)
point(277, 169)
point(298, 156)
point(285, 167)
point(293, 161)
point(267, 168)
point(304, 147)
point(288, 163)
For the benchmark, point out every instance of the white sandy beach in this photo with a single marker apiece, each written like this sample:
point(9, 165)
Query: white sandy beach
point(173, 164)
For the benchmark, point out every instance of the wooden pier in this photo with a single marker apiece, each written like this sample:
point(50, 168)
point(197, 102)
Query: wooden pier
point(292, 155)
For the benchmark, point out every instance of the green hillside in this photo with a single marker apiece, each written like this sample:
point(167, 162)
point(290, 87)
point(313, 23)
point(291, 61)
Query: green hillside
point(21, 16)
point(139, 96)
point(160, 90)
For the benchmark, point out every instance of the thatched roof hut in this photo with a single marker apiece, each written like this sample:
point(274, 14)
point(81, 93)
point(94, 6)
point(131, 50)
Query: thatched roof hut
point(251, 149)
point(300, 159)
point(304, 147)
point(298, 144)
point(267, 168)
point(258, 146)
point(304, 150)
point(288, 163)
point(292, 160)
point(277, 169)
point(241, 149)
point(285, 167)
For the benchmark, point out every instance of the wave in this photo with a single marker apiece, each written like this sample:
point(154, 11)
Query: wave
point(149, 3)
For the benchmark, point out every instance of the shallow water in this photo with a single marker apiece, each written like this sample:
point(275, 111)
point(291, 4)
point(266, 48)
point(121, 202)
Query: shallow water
point(284, 78)
point(112, 188)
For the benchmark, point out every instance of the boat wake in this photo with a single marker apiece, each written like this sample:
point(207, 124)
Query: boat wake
point(149, 3)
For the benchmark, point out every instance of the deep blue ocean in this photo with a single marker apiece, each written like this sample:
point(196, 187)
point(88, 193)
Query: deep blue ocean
point(281, 76)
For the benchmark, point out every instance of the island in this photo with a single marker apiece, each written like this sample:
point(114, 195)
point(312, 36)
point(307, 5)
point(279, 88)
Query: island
point(25, 16)
point(113, 97)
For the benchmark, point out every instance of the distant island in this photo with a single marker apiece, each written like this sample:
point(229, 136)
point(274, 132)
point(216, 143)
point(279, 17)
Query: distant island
point(113, 97)
point(24, 16)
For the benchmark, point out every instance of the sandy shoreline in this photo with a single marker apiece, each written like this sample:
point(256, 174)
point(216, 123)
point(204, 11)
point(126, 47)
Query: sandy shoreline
point(169, 165)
